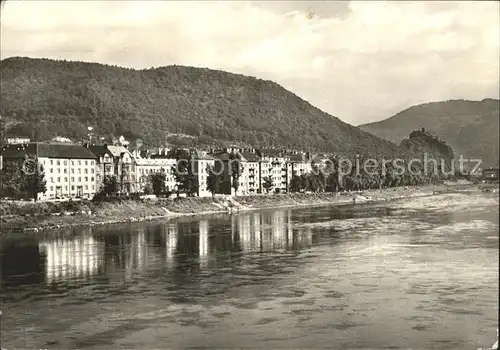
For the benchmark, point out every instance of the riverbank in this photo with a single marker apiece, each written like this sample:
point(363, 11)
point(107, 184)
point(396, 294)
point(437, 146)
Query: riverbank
point(29, 216)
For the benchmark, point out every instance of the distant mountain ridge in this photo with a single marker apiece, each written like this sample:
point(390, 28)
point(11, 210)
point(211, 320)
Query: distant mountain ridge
point(471, 128)
point(48, 98)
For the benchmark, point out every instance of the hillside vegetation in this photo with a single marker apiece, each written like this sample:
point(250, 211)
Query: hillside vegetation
point(44, 98)
point(471, 128)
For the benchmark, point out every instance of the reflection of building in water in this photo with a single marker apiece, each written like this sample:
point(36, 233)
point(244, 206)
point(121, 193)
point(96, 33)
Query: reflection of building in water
point(245, 230)
point(171, 243)
point(257, 230)
point(249, 229)
point(276, 231)
point(137, 254)
point(72, 257)
point(203, 242)
point(269, 231)
point(234, 227)
point(304, 236)
point(279, 230)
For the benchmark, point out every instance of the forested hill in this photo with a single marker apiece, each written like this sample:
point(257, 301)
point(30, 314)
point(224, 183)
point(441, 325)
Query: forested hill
point(46, 98)
point(471, 128)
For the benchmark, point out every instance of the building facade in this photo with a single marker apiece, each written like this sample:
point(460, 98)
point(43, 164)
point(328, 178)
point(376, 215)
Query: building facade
point(273, 164)
point(145, 167)
point(250, 176)
point(201, 163)
point(69, 170)
point(118, 161)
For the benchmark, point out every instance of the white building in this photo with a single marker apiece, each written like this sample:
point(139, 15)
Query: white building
point(202, 162)
point(115, 160)
point(69, 170)
point(274, 165)
point(145, 167)
point(297, 165)
point(18, 140)
point(250, 176)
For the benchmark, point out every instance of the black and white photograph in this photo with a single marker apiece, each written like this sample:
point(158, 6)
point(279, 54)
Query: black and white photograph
point(249, 174)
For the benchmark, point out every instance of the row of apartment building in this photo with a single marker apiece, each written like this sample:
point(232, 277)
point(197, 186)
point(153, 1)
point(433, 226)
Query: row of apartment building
point(73, 171)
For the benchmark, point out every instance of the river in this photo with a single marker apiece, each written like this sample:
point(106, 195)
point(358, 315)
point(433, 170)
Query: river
point(416, 273)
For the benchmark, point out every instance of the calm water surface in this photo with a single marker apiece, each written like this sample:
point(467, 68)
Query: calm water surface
point(420, 273)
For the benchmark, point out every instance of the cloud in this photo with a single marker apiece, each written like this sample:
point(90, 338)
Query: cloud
point(359, 61)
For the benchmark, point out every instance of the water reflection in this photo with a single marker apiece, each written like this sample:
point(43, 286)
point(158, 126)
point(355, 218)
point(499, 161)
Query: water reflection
point(67, 258)
point(188, 246)
point(170, 237)
point(331, 277)
point(128, 251)
point(22, 264)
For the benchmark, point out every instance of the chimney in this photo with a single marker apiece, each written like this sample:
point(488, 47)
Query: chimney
point(423, 129)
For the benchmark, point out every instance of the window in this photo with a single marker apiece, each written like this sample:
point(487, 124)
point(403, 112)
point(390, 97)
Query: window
point(91, 170)
point(51, 163)
point(58, 162)
point(50, 170)
point(65, 162)
point(86, 179)
point(65, 170)
point(79, 162)
point(93, 187)
point(86, 163)
point(72, 171)
point(58, 179)
point(58, 170)
point(65, 179)
point(79, 171)
point(86, 171)
point(72, 179)
point(65, 188)
point(79, 179)
point(51, 188)
point(72, 163)
point(86, 187)
point(92, 178)
point(72, 187)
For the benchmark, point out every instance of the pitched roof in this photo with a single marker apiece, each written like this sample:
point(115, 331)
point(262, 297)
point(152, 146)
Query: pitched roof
point(274, 153)
point(222, 156)
point(249, 156)
point(116, 151)
point(19, 150)
point(297, 158)
point(99, 151)
point(49, 150)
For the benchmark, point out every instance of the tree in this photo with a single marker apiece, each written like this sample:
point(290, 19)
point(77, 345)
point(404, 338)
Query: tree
point(236, 171)
point(110, 185)
point(332, 183)
point(213, 180)
point(11, 180)
point(316, 179)
point(186, 179)
point(267, 183)
point(34, 177)
point(296, 183)
point(158, 183)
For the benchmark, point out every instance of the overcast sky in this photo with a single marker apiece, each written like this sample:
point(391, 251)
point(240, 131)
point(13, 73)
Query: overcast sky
point(360, 61)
